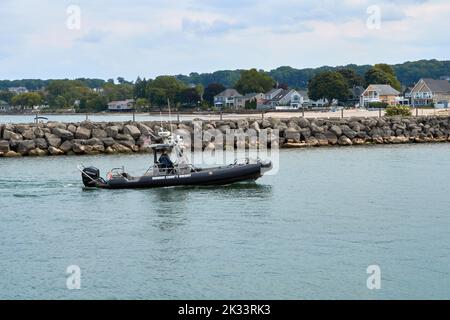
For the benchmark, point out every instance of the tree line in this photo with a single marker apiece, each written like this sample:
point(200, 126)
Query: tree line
point(198, 90)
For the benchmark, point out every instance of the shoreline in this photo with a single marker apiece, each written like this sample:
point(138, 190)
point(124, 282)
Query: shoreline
point(213, 116)
point(93, 138)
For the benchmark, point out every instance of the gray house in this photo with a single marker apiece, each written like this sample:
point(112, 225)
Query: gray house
point(226, 99)
point(430, 91)
point(4, 107)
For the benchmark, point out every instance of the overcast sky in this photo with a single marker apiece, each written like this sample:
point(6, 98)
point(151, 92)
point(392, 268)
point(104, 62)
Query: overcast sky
point(41, 38)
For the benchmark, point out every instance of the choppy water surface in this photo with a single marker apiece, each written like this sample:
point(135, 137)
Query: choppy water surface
point(308, 232)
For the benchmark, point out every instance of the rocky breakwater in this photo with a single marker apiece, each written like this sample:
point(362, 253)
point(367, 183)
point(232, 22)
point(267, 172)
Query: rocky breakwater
point(55, 138)
point(302, 132)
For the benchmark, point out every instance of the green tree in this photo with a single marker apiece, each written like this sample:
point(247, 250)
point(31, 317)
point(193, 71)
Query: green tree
point(382, 74)
point(157, 97)
point(329, 85)
point(189, 97)
point(254, 81)
point(163, 88)
point(352, 78)
point(141, 104)
point(27, 100)
point(212, 90)
point(92, 102)
point(140, 87)
point(6, 96)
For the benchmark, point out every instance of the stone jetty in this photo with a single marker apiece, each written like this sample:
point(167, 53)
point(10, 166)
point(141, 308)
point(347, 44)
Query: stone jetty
point(56, 138)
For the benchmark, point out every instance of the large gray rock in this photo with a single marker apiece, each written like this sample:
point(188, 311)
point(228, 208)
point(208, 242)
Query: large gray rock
point(41, 143)
point(108, 141)
point(122, 136)
point(66, 146)
point(321, 138)
point(255, 126)
point(10, 135)
point(292, 134)
point(55, 151)
point(265, 124)
point(37, 152)
point(345, 141)
point(53, 125)
point(88, 125)
point(53, 140)
point(303, 123)
point(39, 132)
point(112, 131)
point(99, 133)
point(119, 148)
point(28, 134)
point(72, 128)
point(145, 130)
point(83, 133)
point(306, 133)
point(93, 142)
point(78, 148)
point(128, 143)
point(22, 128)
point(242, 124)
point(63, 133)
point(132, 131)
point(25, 145)
point(349, 133)
point(312, 141)
point(336, 130)
point(331, 137)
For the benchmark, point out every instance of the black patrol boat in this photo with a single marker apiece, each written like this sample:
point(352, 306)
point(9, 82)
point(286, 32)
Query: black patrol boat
point(166, 173)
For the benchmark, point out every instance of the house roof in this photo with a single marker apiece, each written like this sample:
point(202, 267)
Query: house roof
point(271, 92)
point(121, 102)
point(281, 95)
point(383, 89)
point(437, 85)
point(228, 93)
point(251, 95)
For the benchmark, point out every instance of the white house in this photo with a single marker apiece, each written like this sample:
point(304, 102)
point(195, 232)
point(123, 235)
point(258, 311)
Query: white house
point(281, 99)
point(4, 107)
point(382, 93)
point(226, 98)
point(431, 91)
point(121, 106)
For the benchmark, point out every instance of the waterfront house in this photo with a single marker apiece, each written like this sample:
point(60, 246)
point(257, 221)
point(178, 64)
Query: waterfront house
point(281, 99)
point(379, 93)
point(431, 92)
point(121, 106)
point(226, 99)
point(243, 101)
point(4, 107)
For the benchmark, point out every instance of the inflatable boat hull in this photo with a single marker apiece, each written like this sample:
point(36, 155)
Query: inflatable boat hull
point(215, 176)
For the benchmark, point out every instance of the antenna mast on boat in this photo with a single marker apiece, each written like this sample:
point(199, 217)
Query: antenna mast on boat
point(170, 115)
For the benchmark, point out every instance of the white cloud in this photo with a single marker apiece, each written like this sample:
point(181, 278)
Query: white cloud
point(148, 38)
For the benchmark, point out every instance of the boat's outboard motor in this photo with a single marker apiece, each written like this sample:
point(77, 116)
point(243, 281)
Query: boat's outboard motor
point(90, 175)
